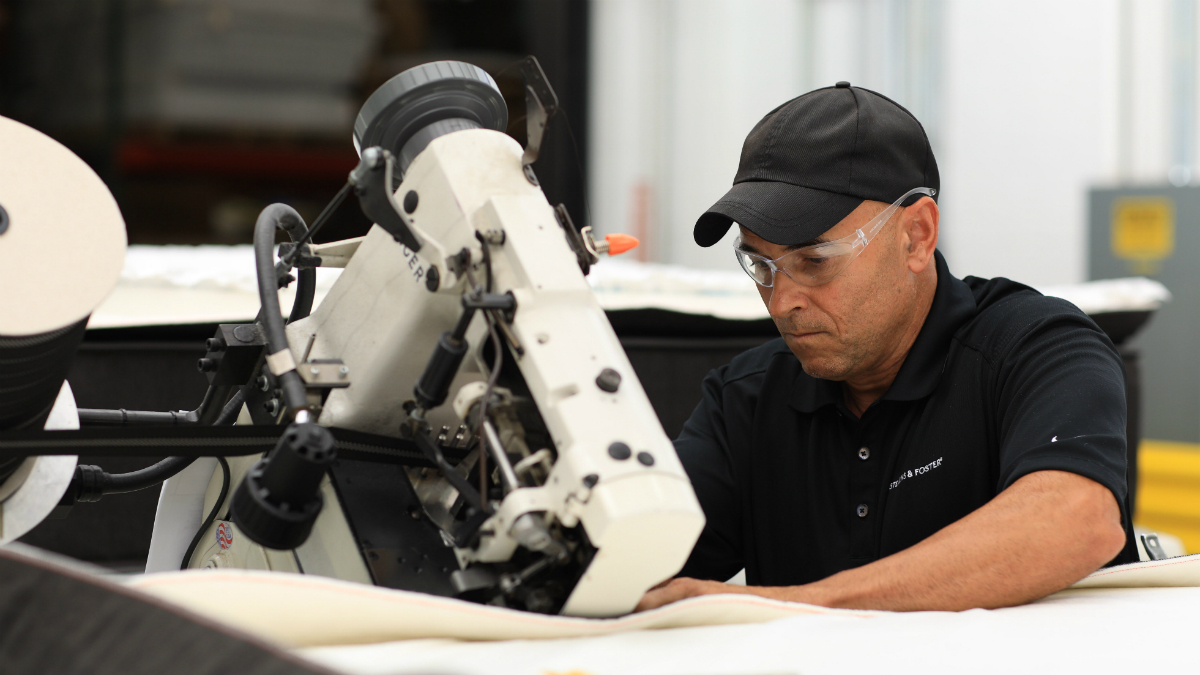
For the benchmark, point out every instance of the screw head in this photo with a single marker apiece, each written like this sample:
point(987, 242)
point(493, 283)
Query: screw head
point(246, 333)
point(343, 371)
point(620, 451)
point(315, 370)
point(608, 380)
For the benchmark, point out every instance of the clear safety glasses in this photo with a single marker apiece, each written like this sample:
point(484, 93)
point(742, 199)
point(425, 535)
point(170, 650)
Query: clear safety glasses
point(817, 264)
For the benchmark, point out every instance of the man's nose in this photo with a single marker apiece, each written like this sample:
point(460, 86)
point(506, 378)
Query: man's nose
point(786, 296)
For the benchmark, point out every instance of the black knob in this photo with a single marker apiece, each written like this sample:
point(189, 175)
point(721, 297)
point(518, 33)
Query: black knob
point(609, 380)
point(410, 201)
point(619, 450)
point(280, 498)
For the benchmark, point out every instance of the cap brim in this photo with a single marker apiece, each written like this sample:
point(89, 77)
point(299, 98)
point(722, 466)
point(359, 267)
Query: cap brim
point(781, 213)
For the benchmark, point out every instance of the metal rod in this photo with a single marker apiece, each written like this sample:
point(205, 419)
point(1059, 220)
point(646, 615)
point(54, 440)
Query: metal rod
point(497, 452)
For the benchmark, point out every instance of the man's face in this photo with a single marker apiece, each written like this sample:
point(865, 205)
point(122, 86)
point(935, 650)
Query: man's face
point(850, 325)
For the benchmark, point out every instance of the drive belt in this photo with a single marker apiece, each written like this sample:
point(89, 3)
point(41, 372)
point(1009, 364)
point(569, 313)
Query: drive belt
point(202, 441)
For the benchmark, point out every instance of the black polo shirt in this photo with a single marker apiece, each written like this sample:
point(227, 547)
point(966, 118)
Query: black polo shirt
point(1001, 382)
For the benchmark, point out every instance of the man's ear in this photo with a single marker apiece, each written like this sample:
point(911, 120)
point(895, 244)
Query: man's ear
point(920, 226)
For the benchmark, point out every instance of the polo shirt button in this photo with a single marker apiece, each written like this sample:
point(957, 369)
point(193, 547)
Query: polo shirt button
point(861, 510)
point(864, 452)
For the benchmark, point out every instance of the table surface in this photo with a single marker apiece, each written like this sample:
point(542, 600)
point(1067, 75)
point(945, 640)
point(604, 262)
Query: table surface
point(1076, 631)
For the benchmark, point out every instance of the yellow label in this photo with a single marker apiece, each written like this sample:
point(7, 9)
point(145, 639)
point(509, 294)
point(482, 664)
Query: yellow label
point(1143, 229)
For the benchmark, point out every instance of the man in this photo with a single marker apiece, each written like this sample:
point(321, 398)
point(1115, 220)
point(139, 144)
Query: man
point(913, 441)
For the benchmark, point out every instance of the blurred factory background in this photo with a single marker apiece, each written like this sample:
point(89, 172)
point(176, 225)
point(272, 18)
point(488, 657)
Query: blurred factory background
point(198, 113)
point(1066, 132)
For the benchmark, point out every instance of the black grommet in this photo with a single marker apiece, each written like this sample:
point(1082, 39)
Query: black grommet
point(432, 278)
point(410, 201)
point(590, 480)
point(646, 458)
point(608, 380)
point(842, 85)
point(619, 450)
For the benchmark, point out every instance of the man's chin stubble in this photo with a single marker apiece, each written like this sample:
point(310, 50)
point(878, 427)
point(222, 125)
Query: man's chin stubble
point(823, 372)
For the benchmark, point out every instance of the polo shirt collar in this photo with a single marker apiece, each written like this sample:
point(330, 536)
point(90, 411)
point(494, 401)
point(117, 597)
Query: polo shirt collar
point(953, 304)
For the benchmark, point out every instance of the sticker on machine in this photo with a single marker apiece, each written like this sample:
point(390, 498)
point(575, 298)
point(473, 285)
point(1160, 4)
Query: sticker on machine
point(224, 535)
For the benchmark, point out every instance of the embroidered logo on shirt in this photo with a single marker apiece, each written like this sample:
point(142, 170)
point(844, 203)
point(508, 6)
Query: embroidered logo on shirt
point(915, 472)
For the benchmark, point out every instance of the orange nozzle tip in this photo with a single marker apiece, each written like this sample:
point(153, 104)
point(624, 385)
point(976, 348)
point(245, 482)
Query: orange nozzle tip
point(620, 243)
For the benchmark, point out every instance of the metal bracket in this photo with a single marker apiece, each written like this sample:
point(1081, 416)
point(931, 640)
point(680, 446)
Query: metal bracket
point(583, 255)
point(232, 354)
point(372, 181)
point(540, 105)
point(325, 374)
point(332, 254)
point(1154, 549)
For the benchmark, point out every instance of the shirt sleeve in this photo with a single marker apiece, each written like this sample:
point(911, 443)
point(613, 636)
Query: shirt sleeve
point(1061, 393)
point(703, 447)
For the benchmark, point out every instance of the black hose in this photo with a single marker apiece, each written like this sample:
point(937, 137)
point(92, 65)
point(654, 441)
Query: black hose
point(150, 476)
point(205, 413)
point(95, 417)
point(231, 410)
point(212, 515)
point(92, 482)
point(209, 409)
point(306, 285)
point(306, 291)
point(306, 278)
point(322, 218)
point(273, 217)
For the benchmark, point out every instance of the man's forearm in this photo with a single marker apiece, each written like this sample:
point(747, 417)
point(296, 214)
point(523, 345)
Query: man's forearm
point(1043, 533)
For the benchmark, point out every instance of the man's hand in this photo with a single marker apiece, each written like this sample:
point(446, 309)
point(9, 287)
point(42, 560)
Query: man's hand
point(682, 588)
point(1045, 532)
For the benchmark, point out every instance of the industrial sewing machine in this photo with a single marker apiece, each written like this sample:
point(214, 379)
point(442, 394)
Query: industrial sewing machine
point(456, 417)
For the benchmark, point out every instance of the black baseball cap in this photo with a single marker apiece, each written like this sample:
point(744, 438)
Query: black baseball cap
point(813, 160)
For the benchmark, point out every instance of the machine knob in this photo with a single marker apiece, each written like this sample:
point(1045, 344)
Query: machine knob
point(280, 498)
point(609, 380)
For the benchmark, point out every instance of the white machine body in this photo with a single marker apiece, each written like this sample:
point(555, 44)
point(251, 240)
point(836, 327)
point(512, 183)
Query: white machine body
point(383, 321)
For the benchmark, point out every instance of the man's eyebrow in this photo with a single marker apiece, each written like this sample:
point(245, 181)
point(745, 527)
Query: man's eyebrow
point(805, 244)
point(743, 246)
